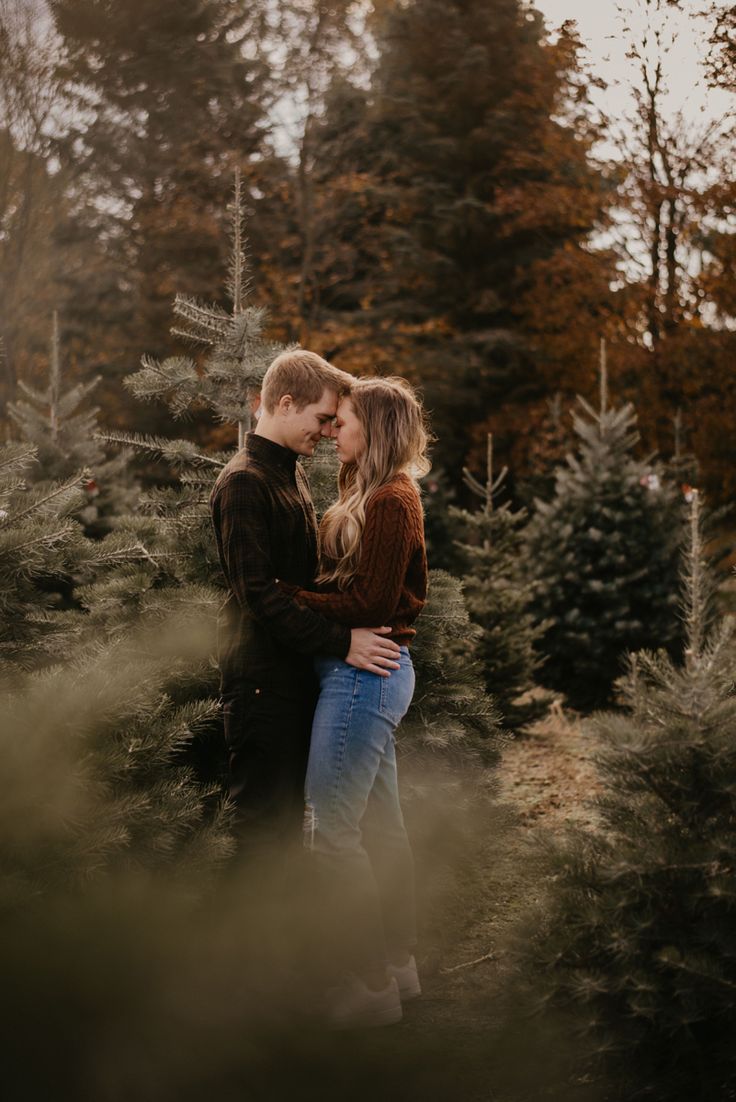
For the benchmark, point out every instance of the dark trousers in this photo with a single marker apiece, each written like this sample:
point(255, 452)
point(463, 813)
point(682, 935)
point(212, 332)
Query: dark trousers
point(267, 742)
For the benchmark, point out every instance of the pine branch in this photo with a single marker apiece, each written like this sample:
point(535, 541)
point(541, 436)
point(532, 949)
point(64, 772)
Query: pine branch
point(208, 322)
point(17, 454)
point(49, 539)
point(239, 283)
point(176, 452)
point(74, 483)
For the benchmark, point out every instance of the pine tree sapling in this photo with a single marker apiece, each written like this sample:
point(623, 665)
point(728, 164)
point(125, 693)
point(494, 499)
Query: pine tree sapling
point(62, 432)
point(639, 929)
point(603, 557)
point(451, 716)
point(498, 595)
point(237, 352)
point(44, 558)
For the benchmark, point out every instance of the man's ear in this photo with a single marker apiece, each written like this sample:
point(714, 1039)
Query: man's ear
point(284, 403)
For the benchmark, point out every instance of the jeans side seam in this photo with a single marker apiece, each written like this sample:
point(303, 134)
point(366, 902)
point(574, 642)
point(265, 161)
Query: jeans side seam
point(342, 745)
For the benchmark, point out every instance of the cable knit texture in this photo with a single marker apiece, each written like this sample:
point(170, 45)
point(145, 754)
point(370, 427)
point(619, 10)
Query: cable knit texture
point(390, 586)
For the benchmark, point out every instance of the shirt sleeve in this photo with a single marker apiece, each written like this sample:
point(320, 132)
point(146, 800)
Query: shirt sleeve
point(386, 549)
point(246, 534)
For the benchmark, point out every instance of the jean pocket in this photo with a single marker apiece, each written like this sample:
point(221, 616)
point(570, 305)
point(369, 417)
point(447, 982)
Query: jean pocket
point(396, 694)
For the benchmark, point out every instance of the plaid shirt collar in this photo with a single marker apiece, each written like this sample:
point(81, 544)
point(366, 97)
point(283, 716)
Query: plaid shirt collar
point(260, 447)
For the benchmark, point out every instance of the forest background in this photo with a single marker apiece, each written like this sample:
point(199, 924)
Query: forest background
point(440, 188)
point(433, 189)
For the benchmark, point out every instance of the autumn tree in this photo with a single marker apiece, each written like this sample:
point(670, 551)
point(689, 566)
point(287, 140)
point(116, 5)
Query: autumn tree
point(312, 44)
point(38, 262)
point(168, 98)
point(443, 182)
point(672, 232)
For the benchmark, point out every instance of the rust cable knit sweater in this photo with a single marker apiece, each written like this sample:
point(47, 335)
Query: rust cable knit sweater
point(390, 586)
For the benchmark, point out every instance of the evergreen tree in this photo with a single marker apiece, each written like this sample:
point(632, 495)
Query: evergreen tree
point(498, 594)
point(453, 176)
point(94, 779)
point(549, 443)
point(603, 556)
point(237, 352)
point(167, 100)
point(43, 555)
point(63, 437)
point(175, 523)
point(639, 930)
point(451, 716)
point(439, 497)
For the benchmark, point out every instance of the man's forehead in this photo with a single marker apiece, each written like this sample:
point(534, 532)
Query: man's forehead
point(327, 403)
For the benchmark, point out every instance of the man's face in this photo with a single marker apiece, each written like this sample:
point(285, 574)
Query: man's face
point(301, 429)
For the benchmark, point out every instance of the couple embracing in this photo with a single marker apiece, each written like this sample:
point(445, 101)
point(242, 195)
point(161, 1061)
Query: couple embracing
point(316, 672)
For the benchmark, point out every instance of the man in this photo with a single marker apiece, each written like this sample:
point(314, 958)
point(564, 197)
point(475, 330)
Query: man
point(265, 528)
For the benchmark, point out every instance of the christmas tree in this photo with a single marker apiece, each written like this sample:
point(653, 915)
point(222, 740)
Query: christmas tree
point(603, 557)
point(439, 498)
point(451, 716)
point(237, 353)
point(44, 557)
point(498, 595)
point(639, 932)
point(61, 430)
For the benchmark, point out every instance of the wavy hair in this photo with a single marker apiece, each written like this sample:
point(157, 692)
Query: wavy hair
point(395, 431)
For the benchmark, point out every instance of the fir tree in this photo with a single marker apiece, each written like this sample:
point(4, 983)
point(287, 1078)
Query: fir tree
point(43, 555)
point(236, 350)
point(603, 555)
point(438, 498)
point(548, 446)
point(640, 928)
point(451, 716)
point(498, 594)
point(56, 423)
point(175, 523)
point(166, 100)
point(95, 779)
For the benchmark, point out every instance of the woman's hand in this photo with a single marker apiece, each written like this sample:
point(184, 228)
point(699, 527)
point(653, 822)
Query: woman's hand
point(370, 651)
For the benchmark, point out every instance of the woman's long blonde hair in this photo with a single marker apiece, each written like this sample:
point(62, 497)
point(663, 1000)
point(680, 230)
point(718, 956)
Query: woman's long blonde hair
point(396, 436)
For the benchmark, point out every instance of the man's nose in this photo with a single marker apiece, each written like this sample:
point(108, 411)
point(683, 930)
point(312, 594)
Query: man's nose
point(329, 430)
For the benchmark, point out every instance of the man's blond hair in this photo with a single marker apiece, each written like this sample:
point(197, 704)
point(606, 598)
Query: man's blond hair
point(305, 376)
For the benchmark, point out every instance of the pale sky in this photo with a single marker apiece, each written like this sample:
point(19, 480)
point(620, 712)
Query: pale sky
point(601, 28)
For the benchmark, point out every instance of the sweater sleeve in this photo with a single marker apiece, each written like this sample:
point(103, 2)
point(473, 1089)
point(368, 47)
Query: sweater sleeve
point(386, 550)
point(246, 544)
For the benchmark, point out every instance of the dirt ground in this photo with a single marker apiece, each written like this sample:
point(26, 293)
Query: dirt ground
point(545, 783)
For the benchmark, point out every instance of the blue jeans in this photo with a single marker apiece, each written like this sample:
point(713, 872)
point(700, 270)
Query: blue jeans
point(353, 822)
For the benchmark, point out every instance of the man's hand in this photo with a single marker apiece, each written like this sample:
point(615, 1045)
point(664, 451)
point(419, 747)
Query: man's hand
point(368, 651)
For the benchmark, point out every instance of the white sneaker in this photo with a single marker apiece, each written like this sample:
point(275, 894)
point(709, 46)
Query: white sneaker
point(353, 1005)
point(407, 978)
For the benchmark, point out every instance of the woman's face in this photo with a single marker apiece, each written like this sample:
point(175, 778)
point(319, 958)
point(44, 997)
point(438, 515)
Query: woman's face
point(348, 433)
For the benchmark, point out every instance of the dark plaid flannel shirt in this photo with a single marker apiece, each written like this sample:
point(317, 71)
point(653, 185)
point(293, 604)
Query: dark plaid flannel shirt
point(265, 527)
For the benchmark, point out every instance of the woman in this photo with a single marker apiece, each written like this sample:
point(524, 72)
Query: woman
point(374, 571)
